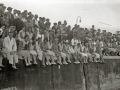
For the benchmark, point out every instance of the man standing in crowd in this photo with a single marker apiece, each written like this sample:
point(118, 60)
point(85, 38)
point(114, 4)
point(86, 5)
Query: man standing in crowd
point(19, 23)
point(47, 24)
point(35, 21)
point(15, 13)
point(10, 16)
point(29, 23)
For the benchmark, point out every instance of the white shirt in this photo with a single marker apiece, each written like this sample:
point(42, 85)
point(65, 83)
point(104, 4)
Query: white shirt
point(1, 31)
point(9, 45)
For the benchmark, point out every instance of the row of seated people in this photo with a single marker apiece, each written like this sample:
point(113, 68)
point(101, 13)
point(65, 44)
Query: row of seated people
point(48, 51)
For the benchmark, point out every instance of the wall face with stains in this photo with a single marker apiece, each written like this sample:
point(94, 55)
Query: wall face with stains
point(92, 76)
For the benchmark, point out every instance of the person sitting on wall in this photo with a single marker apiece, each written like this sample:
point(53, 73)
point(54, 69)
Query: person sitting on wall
point(10, 50)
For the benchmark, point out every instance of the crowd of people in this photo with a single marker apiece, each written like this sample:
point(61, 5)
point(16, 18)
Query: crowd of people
point(24, 37)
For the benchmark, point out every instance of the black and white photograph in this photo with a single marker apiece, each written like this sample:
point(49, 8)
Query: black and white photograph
point(59, 44)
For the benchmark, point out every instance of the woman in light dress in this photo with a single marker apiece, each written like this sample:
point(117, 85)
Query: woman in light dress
point(66, 50)
point(46, 58)
point(72, 52)
point(23, 52)
point(22, 34)
point(55, 49)
point(83, 53)
point(50, 52)
point(77, 53)
point(96, 55)
point(29, 33)
point(39, 49)
point(33, 52)
point(88, 52)
point(63, 55)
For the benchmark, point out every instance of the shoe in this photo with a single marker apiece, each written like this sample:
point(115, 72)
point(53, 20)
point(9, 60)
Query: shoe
point(2, 66)
point(65, 63)
point(27, 64)
point(14, 67)
point(35, 63)
point(75, 62)
point(69, 61)
point(30, 63)
point(78, 62)
point(59, 62)
point(48, 63)
point(53, 62)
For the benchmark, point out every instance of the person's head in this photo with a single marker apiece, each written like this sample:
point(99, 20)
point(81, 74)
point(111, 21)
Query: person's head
point(67, 42)
point(99, 30)
point(82, 43)
point(93, 26)
point(4, 8)
point(55, 24)
point(65, 22)
point(11, 34)
point(14, 11)
point(30, 29)
point(78, 44)
point(36, 16)
point(3, 27)
point(20, 15)
point(59, 23)
point(40, 18)
point(55, 41)
point(69, 27)
point(11, 27)
point(86, 45)
point(47, 20)
point(61, 41)
point(51, 41)
point(14, 28)
point(43, 19)
point(26, 38)
point(9, 9)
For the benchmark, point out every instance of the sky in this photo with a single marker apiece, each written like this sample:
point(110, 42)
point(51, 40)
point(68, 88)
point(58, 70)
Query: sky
point(104, 14)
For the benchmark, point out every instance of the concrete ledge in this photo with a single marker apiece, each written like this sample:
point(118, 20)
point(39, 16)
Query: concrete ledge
point(111, 57)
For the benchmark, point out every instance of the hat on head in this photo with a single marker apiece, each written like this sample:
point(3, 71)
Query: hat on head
point(9, 8)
